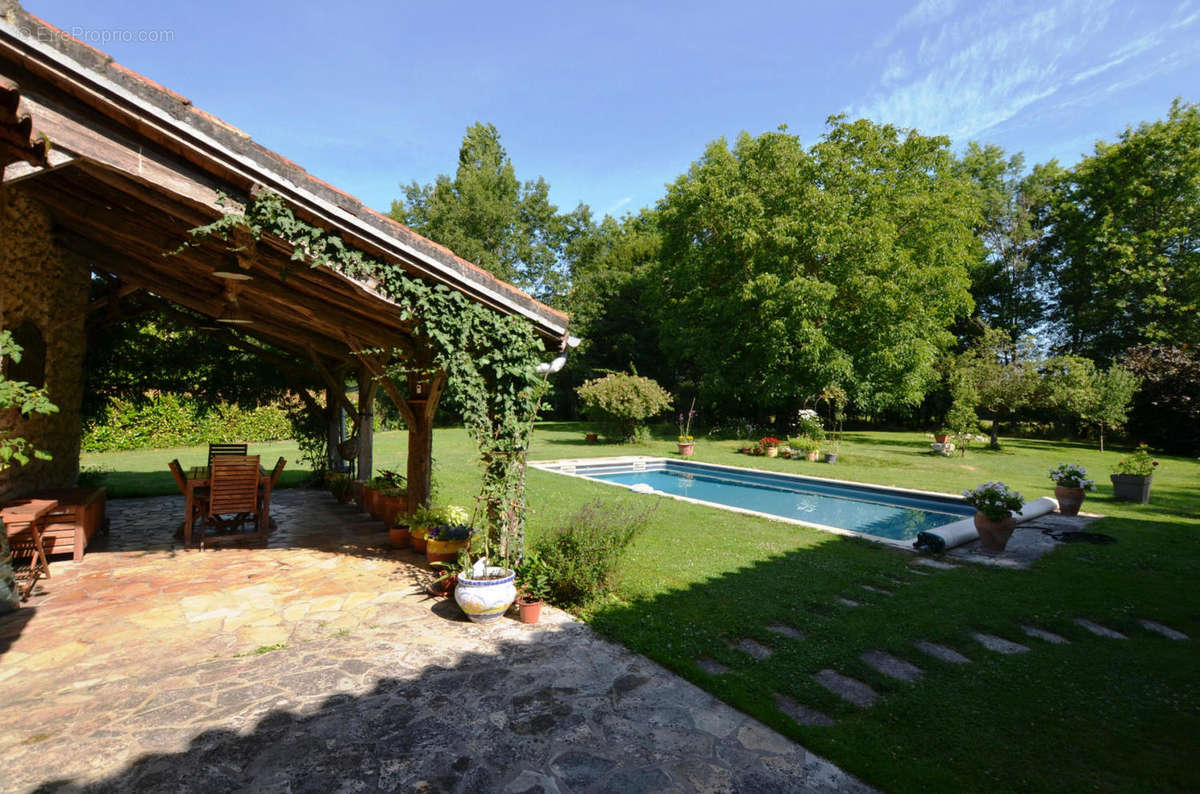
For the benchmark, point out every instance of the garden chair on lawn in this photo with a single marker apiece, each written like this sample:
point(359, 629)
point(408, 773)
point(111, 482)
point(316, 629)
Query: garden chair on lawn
point(233, 491)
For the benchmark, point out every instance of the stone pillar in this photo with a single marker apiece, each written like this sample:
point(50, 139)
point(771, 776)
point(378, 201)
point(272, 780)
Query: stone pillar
point(45, 296)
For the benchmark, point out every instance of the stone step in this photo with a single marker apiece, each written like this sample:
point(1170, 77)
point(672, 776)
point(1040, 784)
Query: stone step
point(941, 652)
point(847, 688)
point(800, 713)
point(873, 589)
point(1159, 628)
point(712, 667)
point(753, 647)
point(1098, 630)
point(785, 631)
point(891, 666)
point(938, 564)
point(1047, 636)
point(846, 602)
point(999, 644)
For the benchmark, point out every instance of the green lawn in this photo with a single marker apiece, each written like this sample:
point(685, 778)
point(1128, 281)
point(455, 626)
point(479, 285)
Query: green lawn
point(1096, 714)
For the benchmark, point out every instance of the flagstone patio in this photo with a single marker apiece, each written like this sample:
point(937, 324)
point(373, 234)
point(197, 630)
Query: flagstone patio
point(316, 663)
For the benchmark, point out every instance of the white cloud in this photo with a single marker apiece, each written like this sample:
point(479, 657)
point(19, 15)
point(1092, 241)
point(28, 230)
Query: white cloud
point(961, 72)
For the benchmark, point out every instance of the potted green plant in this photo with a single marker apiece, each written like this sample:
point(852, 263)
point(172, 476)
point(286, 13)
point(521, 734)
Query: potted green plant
point(534, 578)
point(443, 585)
point(1071, 484)
point(422, 520)
point(805, 447)
point(444, 542)
point(1132, 477)
point(392, 497)
point(371, 496)
point(591, 438)
point(994, 504)
point(831, 449)
point(341, 486)
point(687, 443)
point(942, 435)
point(769, 446)
point(485, 592)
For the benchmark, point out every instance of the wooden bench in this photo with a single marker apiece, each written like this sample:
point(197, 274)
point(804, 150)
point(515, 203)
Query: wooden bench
point(69, 527)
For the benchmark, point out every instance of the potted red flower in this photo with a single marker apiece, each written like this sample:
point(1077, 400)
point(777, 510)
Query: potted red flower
point(770, 446)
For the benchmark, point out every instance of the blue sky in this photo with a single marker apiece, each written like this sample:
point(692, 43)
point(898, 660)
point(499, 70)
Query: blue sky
point(610, 101)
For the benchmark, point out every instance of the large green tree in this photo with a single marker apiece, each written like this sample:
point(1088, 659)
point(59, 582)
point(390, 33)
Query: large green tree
point(1011, 225)
point(489, 217)
point(1124, 251)
point(786, 270)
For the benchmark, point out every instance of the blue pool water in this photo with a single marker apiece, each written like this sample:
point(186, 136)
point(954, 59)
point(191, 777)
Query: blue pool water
point(873, 511)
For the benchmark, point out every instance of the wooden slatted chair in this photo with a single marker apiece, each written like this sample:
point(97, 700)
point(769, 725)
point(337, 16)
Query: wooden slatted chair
point(237, 450)
point(233, 491)
point(199, 496)
point(268, 486)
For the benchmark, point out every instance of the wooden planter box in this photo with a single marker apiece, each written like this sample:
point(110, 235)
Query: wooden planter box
point(69, 527)
point(1132, 487)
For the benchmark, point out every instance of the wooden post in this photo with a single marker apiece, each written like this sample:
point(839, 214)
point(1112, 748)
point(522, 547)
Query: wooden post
point(333, 430)
point(366, 424)
point(423, 396)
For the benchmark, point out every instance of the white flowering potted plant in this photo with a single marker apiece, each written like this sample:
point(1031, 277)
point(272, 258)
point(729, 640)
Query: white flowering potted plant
point(994, 503)
point(1071, 485)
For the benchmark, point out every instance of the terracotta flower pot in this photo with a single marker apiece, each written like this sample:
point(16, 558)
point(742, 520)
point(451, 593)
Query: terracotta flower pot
point(530, 609)
point(442, 588)
point(392, 507)
point(592, 438)
point(1069, 499)
point(994, 535)
point(358, 488)
point(444, 550)
point(941, 438)
point(686, 449)
point(772, 452)
point(812, 455)
point(400, 537)
point(417, 538)
point(374, 507)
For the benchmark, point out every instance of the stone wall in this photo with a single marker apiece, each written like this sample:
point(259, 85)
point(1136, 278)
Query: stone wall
point(38, 285)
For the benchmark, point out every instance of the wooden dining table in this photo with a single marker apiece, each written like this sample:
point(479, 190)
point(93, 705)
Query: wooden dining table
point(198, 477)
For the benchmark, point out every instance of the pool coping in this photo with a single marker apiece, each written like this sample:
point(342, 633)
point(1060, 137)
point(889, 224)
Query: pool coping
point(555, 467)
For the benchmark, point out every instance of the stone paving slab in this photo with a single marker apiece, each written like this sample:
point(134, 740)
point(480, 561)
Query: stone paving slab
point(999, 644)
point(1098, 630)
point(1166, 631)
point(1046, 636)
point(892, 666)
point(1028, 543)
point(941, 652)
point(314, 663)
point(847, 688)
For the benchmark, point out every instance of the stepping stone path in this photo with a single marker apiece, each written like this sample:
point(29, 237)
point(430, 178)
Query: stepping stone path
point(846, 602)
point(999, 644)
point(800, 713)
point(891, 666)
point(938, 564)
point(785, 631)
point(1159, 628)
point(1100, 631)
point(754, 648)
point(847, 688)
point(1048, 636)
point(873, 589)
point(712, 667)
point(941, 652)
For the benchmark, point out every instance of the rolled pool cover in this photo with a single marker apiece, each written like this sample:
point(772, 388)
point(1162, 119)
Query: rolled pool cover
point(944, 538)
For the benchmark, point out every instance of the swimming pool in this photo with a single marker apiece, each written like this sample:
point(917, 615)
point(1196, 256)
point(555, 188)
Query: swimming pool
point(888, 514)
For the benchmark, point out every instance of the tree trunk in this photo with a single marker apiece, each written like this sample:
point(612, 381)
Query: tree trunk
point(1101, 436)
point(995, 442)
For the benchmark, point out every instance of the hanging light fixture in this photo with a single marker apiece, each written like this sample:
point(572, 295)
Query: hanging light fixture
point(238, 270)
point(233, 313)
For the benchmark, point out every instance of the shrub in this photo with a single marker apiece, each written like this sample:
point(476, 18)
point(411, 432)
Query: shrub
point(170, 420)
point(580, 558)
point(623, 403)
point(808, 425)
point(1166, 409)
